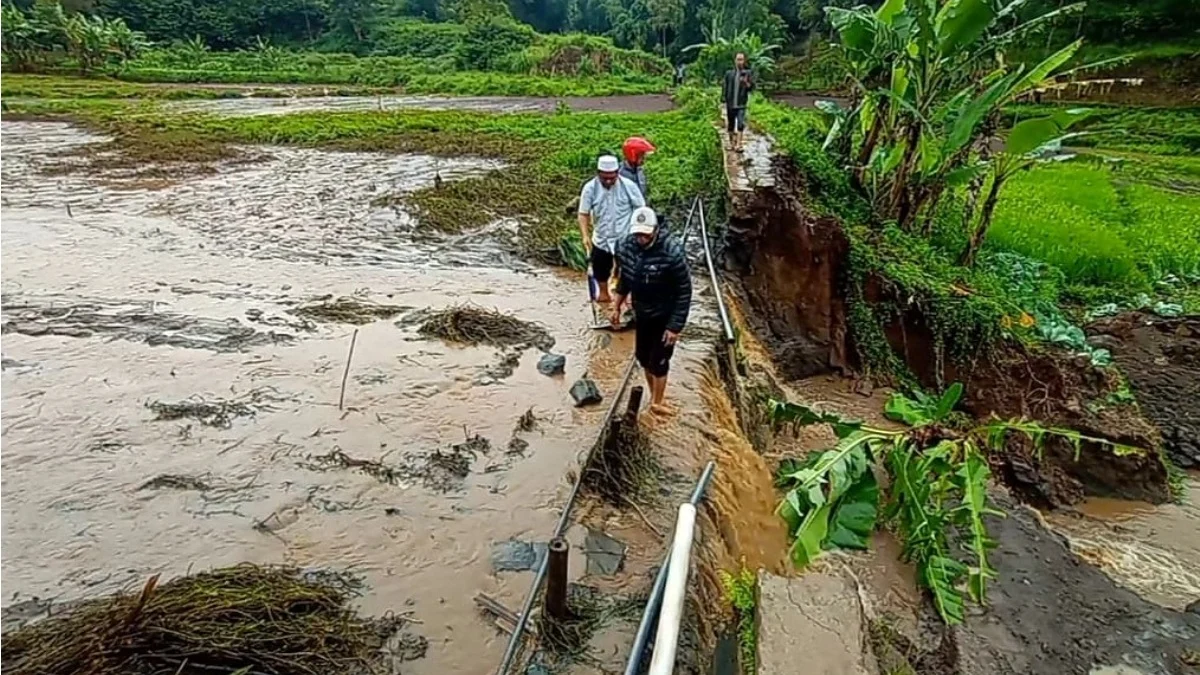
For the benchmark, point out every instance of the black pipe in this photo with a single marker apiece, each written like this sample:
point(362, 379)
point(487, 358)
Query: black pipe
point(650, 614)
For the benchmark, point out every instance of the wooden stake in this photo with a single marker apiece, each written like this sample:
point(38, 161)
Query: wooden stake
point(346, 373)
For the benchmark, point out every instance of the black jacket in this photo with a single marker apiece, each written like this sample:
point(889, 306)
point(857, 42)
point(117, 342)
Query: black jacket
point(659, 278)
point(734, 94)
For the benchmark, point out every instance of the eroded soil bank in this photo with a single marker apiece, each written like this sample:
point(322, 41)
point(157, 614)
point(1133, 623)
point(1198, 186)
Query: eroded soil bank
point(173, 361)
point(1056, 605)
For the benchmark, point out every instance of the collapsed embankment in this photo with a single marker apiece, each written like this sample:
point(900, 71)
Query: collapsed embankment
point(791, 276)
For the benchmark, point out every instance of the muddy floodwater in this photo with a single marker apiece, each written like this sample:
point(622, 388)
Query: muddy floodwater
point(119, 298)
point(509, 104)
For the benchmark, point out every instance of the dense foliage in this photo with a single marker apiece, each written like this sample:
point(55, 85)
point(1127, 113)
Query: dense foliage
point(663, 26)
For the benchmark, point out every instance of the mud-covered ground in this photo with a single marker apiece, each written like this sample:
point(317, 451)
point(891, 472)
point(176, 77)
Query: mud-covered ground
point(172, 372)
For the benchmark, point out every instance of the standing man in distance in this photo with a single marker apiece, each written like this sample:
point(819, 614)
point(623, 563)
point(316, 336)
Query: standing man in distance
point(605, 206)
point(655, 271)
point(735, 94)
point(635, 150)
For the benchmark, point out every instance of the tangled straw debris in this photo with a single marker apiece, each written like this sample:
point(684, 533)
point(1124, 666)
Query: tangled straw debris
point(244, 619)
point(218, 412)
point(441, 470)
point(623, 467)
point(470, 325)
point(347, 310)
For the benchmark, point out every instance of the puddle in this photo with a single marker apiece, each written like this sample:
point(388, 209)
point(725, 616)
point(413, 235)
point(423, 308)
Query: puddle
point(121, 303)
point(504, 104)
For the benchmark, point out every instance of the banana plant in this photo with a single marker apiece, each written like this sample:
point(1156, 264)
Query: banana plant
point(936, 499)
point(929, 78)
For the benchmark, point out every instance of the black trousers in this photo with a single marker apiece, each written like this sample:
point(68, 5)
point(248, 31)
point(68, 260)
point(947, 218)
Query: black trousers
point(653, 356)
point(602, 264)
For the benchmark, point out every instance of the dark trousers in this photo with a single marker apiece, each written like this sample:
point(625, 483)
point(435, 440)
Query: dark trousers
point(602, 264)
point(653, 356)
point(735, 119)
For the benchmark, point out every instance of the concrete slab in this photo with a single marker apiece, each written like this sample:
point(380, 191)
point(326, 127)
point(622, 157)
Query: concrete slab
point(812, 624)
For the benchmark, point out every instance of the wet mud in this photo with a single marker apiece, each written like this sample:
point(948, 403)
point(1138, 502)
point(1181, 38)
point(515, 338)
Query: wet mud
point(138, 330)
point(1161, 360)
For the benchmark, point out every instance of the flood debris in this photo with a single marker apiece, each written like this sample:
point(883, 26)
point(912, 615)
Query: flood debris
point(605, 555)
point(552, 364)
point(469, 325)
point(347, 310)
point(565, 642)
point(515, 555)
point(243, 619)
point(623, 467)
point(526, 422)
point(585, 392)
point(218, 412)
point(136, 321)
point(170, 481)
point(440, 470)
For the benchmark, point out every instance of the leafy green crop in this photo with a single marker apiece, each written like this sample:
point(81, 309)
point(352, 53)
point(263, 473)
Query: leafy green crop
point(741, 592)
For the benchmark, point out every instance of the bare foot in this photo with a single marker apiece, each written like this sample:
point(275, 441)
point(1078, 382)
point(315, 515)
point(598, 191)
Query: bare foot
point(662, 409)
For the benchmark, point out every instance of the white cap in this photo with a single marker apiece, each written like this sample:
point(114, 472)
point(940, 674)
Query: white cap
point(643, 221)
point(607, 163)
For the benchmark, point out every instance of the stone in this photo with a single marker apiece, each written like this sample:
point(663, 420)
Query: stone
point(814, 619)
point(605, 555)
point(552, 364)
point(585, 392)
point(517, 556)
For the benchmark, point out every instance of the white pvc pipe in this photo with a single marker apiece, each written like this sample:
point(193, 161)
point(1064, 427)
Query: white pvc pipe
point(667, 639)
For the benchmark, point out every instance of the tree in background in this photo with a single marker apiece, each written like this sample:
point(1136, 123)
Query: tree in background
point(666, 15)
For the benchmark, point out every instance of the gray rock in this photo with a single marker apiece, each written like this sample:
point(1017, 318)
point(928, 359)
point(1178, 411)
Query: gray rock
point(605, 555)
point(517, 556)
point(552, 364)
point(585, 392)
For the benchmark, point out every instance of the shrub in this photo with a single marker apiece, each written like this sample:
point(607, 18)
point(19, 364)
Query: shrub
point(488, 41)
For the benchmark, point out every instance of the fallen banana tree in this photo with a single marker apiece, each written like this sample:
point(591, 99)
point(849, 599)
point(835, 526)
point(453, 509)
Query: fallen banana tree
point(936, 499)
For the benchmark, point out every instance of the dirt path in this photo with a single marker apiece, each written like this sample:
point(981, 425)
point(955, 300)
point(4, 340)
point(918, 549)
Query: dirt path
point(170, 405)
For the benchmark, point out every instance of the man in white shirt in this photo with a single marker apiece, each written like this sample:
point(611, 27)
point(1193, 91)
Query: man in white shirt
point(605, 205)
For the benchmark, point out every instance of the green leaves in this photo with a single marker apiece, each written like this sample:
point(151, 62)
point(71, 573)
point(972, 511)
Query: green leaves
point(921, 408)
point(1029, 135)
point(831, 499)
point(961, 22)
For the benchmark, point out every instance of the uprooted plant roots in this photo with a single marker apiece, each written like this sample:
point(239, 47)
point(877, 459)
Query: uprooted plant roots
point(623, 467)
point(243, 619)
point(476, 326)
point(347, 310)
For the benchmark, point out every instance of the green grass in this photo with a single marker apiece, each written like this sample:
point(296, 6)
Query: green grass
point(1099, 226)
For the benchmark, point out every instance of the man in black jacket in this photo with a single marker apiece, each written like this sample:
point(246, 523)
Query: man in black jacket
point(655, 271)
point(735, 94)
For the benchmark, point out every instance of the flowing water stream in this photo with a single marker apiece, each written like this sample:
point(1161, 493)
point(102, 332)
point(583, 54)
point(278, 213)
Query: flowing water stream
point(117, 296)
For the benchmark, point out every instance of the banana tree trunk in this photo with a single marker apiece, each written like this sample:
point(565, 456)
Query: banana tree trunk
point(985, 221)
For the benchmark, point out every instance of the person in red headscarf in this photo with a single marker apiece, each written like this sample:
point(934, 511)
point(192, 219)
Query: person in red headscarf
point(635, 150)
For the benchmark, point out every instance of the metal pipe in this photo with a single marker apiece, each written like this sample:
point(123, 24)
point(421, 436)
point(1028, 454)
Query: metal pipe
point(712, 274)
point(633, 667)
point(687, 223)
point(666, 640)
point(514, 640)
point(556, 581)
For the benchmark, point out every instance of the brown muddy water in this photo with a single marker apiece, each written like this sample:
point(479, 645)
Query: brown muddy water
point(134, 296)
point(508, 104)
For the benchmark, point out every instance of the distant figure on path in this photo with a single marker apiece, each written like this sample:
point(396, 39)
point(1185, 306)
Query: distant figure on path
point(735, 94)
point(655, 271)
point(605, 205)
point(635, 150)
